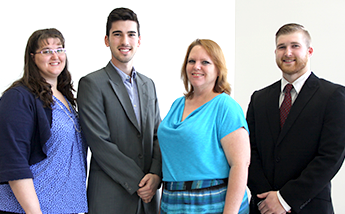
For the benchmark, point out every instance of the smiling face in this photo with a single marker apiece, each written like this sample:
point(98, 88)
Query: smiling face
point(201, 71)
point(292, 55)
point(50, 65)
point(123, 41)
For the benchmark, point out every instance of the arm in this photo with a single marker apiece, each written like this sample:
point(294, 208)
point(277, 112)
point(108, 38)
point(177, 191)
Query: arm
point(151, 182)
point(237, 151)
point(257, 181)
point(94, 122)
point(17, 124)
point(156, 165)
point(25, 193)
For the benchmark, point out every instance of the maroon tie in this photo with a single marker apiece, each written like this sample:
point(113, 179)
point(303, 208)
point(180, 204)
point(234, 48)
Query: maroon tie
point(286, 105)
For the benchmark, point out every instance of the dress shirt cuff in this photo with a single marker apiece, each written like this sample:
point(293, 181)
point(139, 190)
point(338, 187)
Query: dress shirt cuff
point(283, 202)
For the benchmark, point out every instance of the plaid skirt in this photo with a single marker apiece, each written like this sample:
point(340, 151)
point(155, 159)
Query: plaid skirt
point(204, 196)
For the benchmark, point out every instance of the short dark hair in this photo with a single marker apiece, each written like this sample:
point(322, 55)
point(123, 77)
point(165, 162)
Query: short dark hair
point(292, 28)
point(121, 14)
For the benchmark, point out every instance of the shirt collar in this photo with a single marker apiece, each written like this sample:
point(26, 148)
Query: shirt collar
point(298, 83)
point(123, 75)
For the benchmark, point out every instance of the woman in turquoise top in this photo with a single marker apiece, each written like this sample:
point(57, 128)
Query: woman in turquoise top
point(204, 140)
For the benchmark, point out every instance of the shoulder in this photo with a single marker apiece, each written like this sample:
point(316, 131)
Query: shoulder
point(330, 85)
point(226, 101)
point(178, 101)
point(269, 88)
point(266, 94)
point(19, 98)
point(18, 94)
point(325, 86)
point(95, 75)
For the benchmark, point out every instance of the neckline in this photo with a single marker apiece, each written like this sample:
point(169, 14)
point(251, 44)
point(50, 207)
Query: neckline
point(60, 103)
point(184, 105)
point(63, 107)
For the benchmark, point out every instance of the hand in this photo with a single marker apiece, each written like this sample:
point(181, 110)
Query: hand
point(148, 187)
point(270, 204)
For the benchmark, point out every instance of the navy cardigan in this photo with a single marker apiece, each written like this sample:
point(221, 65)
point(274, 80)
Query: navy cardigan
point(24, 129)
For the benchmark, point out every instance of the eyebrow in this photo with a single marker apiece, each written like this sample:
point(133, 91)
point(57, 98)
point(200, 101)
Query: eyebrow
point(293, 43)
point(119, 31)
point(48, 48)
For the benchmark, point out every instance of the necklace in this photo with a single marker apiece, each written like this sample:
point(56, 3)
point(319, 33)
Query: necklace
point(75, 127)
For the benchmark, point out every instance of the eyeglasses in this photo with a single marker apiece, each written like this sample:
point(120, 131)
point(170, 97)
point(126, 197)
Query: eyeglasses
point(52, 51)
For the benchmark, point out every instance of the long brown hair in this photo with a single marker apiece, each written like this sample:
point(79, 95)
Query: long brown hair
point(217, 56)
point(32, 77)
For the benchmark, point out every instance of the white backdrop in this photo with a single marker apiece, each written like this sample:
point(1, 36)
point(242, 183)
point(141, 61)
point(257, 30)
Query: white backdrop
point(255, 67)
point(167, 28)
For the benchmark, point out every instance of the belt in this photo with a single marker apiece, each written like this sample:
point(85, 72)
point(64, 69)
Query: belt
point(190, 185)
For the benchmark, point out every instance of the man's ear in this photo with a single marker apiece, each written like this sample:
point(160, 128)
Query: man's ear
point(310, 51)
point(139, 41)
point(106, 40)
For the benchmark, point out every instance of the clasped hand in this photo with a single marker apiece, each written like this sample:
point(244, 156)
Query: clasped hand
point(148, 187)
point(270, 204)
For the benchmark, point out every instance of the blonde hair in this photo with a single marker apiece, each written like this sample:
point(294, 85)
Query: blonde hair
point(215, 52)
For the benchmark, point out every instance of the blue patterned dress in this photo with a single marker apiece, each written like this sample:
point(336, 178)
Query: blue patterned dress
point(60, 179)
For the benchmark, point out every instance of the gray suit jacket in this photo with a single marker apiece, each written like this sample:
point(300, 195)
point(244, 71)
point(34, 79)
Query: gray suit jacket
point(121, 152)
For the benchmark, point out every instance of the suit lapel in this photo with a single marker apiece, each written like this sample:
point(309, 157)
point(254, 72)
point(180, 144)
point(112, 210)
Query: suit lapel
point(143, 98)
point(307, 92)
point(272, 106)
point(121, 93)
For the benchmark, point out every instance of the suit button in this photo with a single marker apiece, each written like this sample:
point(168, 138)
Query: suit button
point(140, 156)
point(278, 160)
point(127, 186)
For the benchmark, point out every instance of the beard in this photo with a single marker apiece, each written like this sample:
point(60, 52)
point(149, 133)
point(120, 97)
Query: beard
point(298, 66)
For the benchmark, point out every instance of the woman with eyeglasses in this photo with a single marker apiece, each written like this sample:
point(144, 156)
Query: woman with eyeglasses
point(43, 154)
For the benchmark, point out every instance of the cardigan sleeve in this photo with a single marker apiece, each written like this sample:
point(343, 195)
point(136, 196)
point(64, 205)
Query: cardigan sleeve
point(18, 125)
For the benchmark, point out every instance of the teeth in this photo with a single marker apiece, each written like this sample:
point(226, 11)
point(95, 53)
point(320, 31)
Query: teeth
point(124, 50)
point(54, 63)
point(199, 75)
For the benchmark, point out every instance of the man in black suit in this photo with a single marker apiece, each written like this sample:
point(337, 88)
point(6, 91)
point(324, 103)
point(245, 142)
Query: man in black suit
point(297, 138)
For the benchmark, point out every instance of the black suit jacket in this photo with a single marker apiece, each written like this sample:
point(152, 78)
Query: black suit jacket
point(301, 159)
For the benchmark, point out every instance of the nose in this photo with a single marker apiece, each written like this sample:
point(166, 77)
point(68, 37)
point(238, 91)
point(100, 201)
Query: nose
point(197, 66)
point(125, 40)
point(55, 55)
point(288, 51)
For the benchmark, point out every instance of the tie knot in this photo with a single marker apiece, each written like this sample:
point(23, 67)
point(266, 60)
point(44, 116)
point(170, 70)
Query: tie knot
point(288, 88)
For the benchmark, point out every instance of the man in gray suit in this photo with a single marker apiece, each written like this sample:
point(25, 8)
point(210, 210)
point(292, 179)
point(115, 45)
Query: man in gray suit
point(119, 116)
